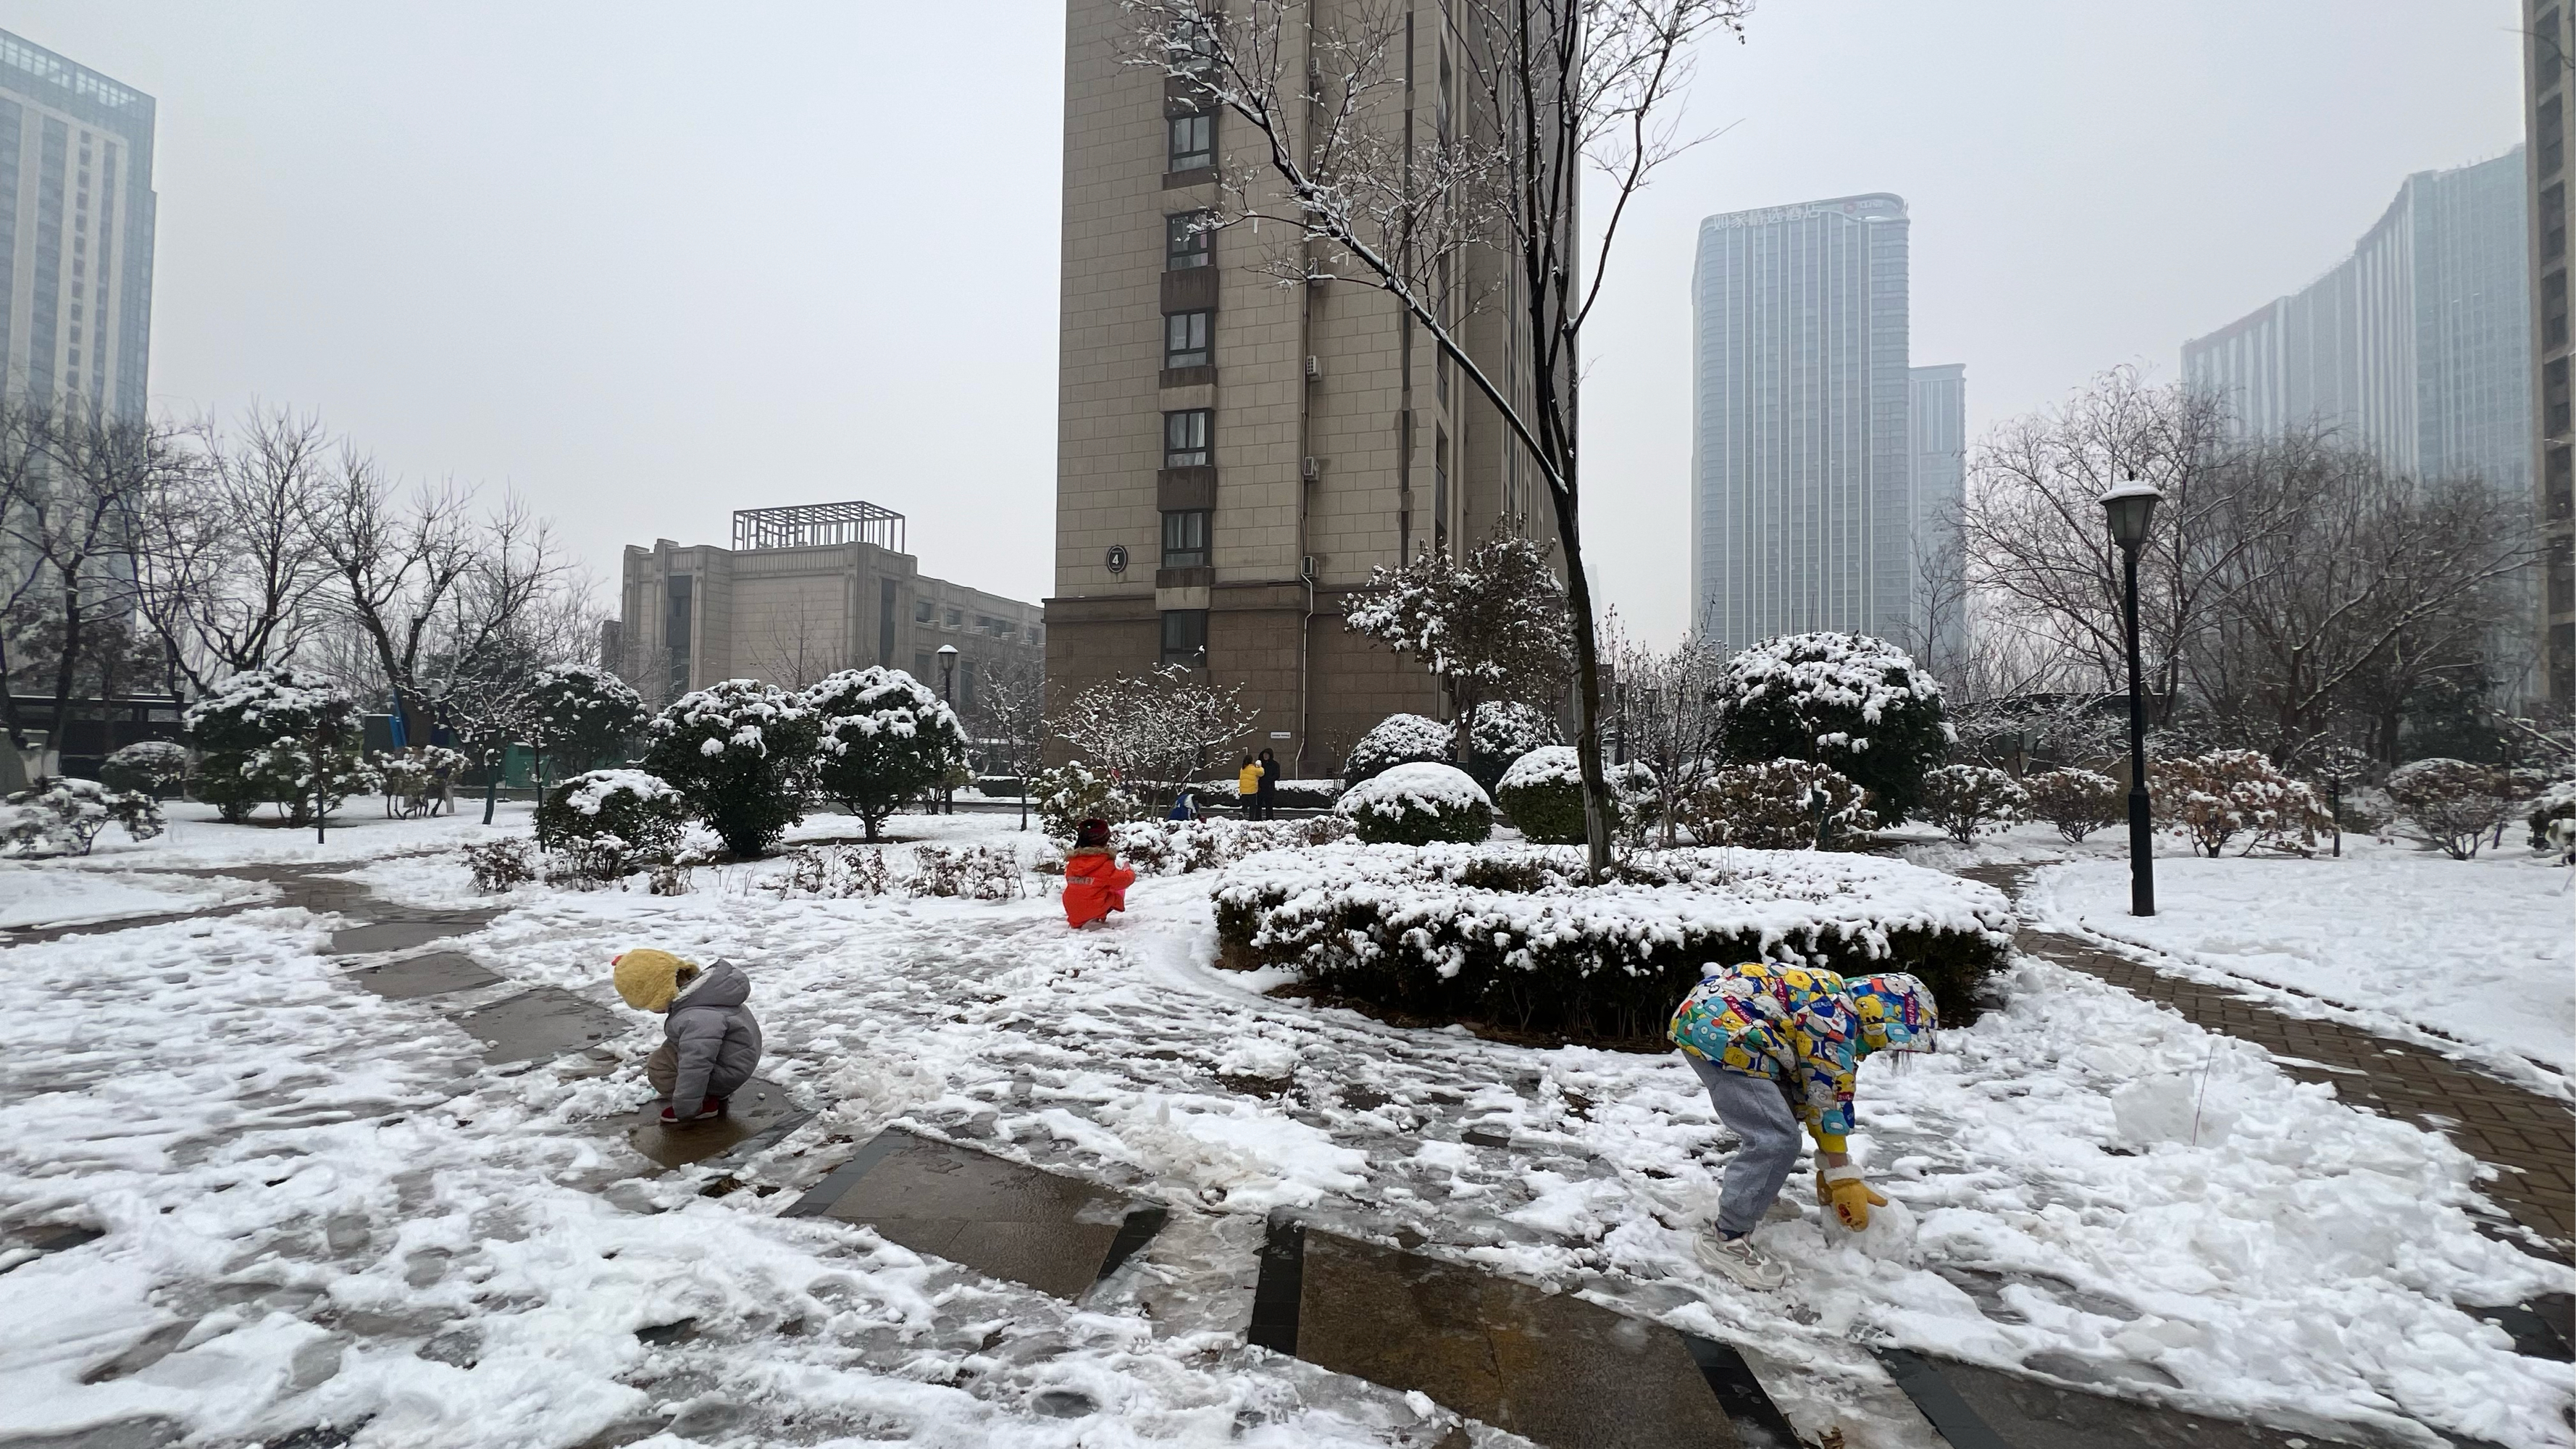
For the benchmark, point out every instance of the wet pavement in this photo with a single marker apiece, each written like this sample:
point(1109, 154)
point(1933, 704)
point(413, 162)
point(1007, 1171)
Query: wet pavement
point(540, 1023)
point(760, 1113)
point(431, 975)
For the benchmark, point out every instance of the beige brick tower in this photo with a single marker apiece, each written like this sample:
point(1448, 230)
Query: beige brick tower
point(1235, 452)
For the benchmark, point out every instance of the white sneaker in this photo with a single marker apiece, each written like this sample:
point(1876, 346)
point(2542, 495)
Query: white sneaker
point(1742, 1263)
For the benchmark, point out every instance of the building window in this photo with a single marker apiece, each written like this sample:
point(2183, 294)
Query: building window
point(1189, 240)
point(1185, 638)
point(922, 610)
point(1193, 142)
point(1440, 490)
point(921, 661)
point(954, 619)
point(1185, 338)
point(1187, 438)
point(1185, 538)
point(678, 594)
point(1037, 636)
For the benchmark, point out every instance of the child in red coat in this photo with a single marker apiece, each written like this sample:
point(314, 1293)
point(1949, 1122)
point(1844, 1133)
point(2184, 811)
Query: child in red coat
point(1094, 882)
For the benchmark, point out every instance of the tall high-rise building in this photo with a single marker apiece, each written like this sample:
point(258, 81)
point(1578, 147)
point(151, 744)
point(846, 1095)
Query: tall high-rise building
point(1802, 500)
point(2417, 346)
point(1233, 455)
point(2546, 97)
point(76, 217)
point(1937, 433)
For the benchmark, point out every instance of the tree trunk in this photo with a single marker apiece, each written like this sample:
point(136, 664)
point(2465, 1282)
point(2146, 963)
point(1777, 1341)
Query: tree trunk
point(1597, 809)
point(68, 668)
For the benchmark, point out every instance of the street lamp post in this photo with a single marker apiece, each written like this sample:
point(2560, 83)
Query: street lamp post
point(2131, 503)
point(948, 696)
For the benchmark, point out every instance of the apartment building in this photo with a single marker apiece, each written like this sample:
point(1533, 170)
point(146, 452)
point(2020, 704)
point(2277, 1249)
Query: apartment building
point(1236, 452)
point(805, 591)
point(2546, 97)
point(76, 222)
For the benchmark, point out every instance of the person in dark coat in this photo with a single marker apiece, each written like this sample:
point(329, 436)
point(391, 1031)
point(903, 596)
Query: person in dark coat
point(1268, 794)
point(710, 1041)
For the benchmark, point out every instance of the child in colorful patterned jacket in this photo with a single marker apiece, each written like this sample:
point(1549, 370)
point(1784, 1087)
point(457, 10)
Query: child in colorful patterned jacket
point(1777, 1046)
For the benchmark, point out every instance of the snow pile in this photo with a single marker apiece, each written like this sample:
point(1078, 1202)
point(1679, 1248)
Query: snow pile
point(1418, 803)
point(2408, 941)
point(1512, 935)
point(1546, 765)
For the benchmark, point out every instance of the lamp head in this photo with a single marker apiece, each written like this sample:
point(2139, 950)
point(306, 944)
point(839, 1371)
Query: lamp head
point(947, 651)
point(2131, 503)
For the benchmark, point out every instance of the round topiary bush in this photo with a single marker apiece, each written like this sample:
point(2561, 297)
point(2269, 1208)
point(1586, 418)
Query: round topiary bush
point(1542, 795)
point(1504, 730)
point(612, 823)
point(886, 739)
point(146, 767)
point(740, 752)
point(275, 737)
point(1858, 704)
point(1398, 739)
point(1417, 804)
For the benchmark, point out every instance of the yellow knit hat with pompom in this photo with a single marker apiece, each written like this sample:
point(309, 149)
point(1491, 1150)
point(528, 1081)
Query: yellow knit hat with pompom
point(648, 979)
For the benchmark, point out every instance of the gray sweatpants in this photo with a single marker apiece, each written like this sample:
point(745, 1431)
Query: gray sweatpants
point(1756, 1110)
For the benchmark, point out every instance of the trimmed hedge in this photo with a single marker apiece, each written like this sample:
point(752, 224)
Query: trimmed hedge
point(1510, 938)
point(1418, 804)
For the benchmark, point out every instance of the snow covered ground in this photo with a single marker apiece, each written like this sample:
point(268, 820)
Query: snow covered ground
point(326, 1208)
point(34, 895)
point(2482, 951)
point(359, 831)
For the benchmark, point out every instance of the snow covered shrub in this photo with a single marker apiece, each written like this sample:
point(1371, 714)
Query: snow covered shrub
point(2077, 802)
point(1179, 847)
point(611, 823)
point(1511, 936)
point(275, 737)
point(1542, 795)
point(499, 865)
point(1780, 805)
point(739, 753)
point(833, 873)
point(975, 872)
point(580, 715)
point(1845, 700)
point(886, 739)
point(1294, 794)
point(64, 817)
point(2554, 802)
point(1069, 794)
point(146, 766)
point(1417, 804)
point(2213, 798)
point(2454, 803)
point(1502, 732)
point(1398, 739)
point(1966, 801)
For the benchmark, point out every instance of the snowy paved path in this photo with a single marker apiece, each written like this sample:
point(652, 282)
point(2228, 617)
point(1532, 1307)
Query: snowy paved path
point(342, 1214)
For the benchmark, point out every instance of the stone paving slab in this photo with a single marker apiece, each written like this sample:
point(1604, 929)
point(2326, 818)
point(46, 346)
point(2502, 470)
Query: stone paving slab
point(760, 1110)
point(1981, 1408)
point(541, 1022)
point(1056, 1234)
point(435, 974)
point(405, 932)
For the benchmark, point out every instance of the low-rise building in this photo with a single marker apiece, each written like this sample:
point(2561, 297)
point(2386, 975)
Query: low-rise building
point(805, 591)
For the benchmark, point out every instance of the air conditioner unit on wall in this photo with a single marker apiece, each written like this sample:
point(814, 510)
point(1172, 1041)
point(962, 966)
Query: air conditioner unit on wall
point(1311, 469)
point(1314, 366)
point(1306, 568)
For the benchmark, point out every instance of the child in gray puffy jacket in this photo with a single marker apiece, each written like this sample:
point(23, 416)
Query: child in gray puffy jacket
point(710, 1042)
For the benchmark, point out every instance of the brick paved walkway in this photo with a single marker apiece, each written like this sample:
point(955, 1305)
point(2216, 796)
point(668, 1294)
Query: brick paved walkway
point(2530, 1139)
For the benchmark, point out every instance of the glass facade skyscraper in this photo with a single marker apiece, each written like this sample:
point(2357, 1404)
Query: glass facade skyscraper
point(1802, 498)
point(76, 221)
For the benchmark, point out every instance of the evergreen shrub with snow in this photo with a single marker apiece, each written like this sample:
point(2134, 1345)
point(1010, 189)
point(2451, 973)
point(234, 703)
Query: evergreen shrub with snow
point(1398, 739)
point(580, 716)
point(886, 739)
point(149, 767)
point(607, 824)
point(1295, 794)
point(1542, 795)
point(2453, 803)
point(1966, 801)
point(1780, 805)
point(1068, 794)
point(2555, 801)
point(1503, 731)
point(740, 753)
point(2077, 802)
point(64, 816)
point(1180, 847)
point(275, 737)
point(2211, 799)
point(1845, 700)
point(1510, 936)
point(1418, 804)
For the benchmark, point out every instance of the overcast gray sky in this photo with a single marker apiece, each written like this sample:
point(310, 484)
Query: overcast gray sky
point(649, 263)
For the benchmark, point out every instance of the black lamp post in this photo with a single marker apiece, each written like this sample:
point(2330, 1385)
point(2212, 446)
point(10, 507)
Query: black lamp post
point(948, 696)
point(2131, 503)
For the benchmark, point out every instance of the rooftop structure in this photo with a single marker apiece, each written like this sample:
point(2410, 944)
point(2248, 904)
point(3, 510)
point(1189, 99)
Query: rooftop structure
point(806, 525)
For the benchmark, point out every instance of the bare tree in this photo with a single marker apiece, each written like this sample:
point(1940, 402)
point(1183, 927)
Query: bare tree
point(1376, 194)
point(87, 483)
point(1013, 720)
point(1155, 731)
point(1669, 716)
point(22, 567)
point(1936, 626)
point(226, 562)
point(2041, 552)
point(1490, 625)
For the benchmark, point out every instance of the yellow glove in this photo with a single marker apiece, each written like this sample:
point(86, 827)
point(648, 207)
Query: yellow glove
point(1842, 1189)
